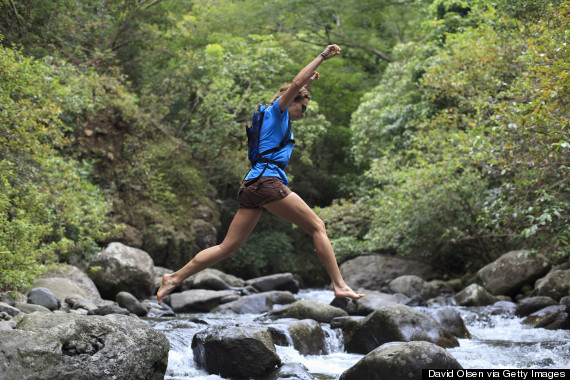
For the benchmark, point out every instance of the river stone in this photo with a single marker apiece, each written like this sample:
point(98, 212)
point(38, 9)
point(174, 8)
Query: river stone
point(204, 233)
point(108, 309)
point(306, 336)
point(44, 297)
point(67, 346)
point(75, 301)
point(65, 280)
point(397, 323)
point(376, 271)
point(308, 309)
point(253, 304)
point(474, 295)
point(10, 310)
point(565, 300)
point(450, 320)
point(281, 281)
point(510, 272)
point(196, 300)
point(550, 318)
point(128, 301)
point(235, 352)
point(29, 308)
point(7, 325)
point(295, 371)
point(401, 361)
point(529, 305)
point(123, 269)
point(209, 280)
point(366, 305)
point(556, 284)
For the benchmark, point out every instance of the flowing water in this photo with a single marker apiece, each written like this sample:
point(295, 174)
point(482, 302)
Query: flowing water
point(499, 340)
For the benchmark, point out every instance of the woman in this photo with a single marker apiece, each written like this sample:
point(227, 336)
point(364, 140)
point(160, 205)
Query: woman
point(264, 189)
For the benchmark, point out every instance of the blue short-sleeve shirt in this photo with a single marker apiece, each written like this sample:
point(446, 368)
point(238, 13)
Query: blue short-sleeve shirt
point(275, 125)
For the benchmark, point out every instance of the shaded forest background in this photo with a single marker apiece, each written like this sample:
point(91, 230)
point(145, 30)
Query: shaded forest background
point(441, 132)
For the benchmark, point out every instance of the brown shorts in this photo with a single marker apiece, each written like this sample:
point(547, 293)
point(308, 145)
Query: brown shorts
point(264, 190)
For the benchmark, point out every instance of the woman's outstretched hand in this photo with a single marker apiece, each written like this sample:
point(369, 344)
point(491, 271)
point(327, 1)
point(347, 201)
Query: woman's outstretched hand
point(331, 51)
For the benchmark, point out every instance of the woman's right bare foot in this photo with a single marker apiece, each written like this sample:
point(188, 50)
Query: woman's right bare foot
point(346, 291)
point(167, 286)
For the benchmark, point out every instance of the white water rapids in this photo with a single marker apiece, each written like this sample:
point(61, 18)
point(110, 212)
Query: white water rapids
point(499, 341)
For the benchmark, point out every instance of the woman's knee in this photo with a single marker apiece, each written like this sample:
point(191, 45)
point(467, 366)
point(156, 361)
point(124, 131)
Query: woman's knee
point(318, 226)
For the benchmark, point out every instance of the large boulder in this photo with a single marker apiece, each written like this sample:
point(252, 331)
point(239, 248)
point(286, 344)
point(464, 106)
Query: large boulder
point(475, 295)
point(510, 272)
point(306, 336)
point(280, 281)
point(307, 309)
point(413, 286)
point(396, 323)
point(556, 284)
point(401, 361)
point(56, 346)
point(197, 300)
point(449, 319)
point(376, 271)
point(65, 280)
point(551, 318)
point(121, 268)
point(529, 305)
point(235, 352)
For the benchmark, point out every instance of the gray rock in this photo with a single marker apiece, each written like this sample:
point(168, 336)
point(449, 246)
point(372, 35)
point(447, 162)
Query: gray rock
point(196, 300)
point(44, 297)
point(510, 272)
point(450, 320)
point(307, 309)
point(396, 323)
point(253, 304)
point(10, 310)
point(372, 301)
point(529, 305)
point(75, 301)
point(400, 361)
point(411, 286)
point(551, 318)
point(474, 295)
point(123, 269)
point(205, 234)
point(209, 280)
point(375, 271)
point(235, 352)
point(556, 284)
point(128, 301)
point(306, 336)
point(66, 280)
point(46, 346)
point(108, 309)
point(295, 371)
point(7, 325)
point(281, 281)
point(29, 308)
point(565, 300)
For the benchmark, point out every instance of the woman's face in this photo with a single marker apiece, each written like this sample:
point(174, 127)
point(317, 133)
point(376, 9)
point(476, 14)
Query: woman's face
point(297, 109)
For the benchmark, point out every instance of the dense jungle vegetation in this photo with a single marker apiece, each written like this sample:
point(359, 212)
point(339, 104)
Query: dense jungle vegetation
point(441, 132)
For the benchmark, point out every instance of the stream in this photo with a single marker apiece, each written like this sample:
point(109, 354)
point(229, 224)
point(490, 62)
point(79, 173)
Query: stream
point(499, 341)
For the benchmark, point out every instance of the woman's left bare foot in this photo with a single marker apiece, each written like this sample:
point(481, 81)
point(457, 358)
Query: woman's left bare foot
point(346, 291)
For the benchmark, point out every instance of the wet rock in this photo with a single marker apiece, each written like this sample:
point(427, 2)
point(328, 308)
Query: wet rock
point(46, 346)
point(565, 300)
point(306, 336)
point(128, 301)
point(450, 320)
point(108, 309)
point(529, 305)
point(400, 361)
point(205, 234)
point(253, 304)
point(474, 295)
point(550, 318)
point(209, 280)
point(66, 280)
point(44, 297)
point(556, 284)
point(196, 300)
point(397, 323)
point(123, 268)
point(10, 310)
point(157, 311)
point(281, 281)
point(503, 308)
point(510, 272)
point(307, 309)
point(295, 371)
point(372, 301)
point(414, 286)
point(235, 352)
point(375, 271)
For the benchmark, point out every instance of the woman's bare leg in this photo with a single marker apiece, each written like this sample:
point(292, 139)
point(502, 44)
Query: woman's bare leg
point(293, 209)
point(240, 228)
